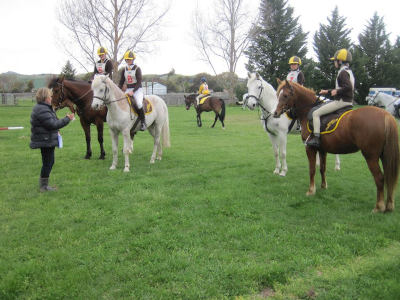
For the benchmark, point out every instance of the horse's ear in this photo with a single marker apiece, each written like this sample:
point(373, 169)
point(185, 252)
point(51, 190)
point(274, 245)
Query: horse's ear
point(257, 75)
point(248, 75)
point(61, 78)
point(278, 81)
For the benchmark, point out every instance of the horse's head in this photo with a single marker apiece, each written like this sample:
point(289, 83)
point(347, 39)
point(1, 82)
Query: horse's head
point(286, 97)
point(101, 91)
point(189, 100)
point(59, 99)
point(255, 89)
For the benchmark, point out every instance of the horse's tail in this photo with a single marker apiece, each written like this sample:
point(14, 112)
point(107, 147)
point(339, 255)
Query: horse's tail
point(390, 155)
point(165, 131)
point(222, 113)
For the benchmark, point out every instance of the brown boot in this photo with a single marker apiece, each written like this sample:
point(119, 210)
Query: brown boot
point(44, 185)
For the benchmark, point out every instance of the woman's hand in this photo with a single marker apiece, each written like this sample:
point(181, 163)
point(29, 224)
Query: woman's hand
point(323, 92)
point(71, 116)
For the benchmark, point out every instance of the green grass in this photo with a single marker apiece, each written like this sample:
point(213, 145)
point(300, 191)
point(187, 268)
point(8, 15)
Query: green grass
point(209, 221)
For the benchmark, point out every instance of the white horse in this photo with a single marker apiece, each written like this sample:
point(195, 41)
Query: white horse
point(262, 94)
point(120, 118)
point(386, 101)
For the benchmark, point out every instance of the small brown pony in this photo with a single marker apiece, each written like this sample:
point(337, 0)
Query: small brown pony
point(369, 129)
point(79, 95)
point(215, 104)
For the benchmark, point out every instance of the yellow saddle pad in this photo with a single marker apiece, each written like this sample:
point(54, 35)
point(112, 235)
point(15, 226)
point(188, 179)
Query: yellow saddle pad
point(202, 100)
point(147, 106)
point(330, 122)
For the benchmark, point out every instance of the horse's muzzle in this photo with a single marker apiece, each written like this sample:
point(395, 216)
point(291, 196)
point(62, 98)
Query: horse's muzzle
point(276, 114)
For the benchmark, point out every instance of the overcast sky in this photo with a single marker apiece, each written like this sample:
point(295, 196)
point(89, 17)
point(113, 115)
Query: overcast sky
point(29, 46)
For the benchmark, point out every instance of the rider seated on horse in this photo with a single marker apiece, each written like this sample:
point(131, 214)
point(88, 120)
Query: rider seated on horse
point(203, 90)
point(295, 75)
point(132, 75)
point(103, 66)
point(343, 93)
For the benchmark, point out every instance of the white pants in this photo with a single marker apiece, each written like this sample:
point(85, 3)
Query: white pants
point(326, 109)
point(198, 98)
point(138, 95)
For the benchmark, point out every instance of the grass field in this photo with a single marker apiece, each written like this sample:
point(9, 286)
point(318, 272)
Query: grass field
point(210, 221)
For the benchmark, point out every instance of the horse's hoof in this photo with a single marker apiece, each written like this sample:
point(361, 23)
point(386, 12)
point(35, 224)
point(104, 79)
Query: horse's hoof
point(283, 174)
point(126, 170)
point(102, 157)
point(276, 171)
point(223, 128)
point(159, 158)
point(389, 207)
point(152, 161)
point(337, 168)
point(324, 186)
point(87, 156)
point(310, 193)
point(112, 168)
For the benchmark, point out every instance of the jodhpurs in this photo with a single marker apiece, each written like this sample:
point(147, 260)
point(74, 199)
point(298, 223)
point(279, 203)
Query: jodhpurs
point(138, 95)
point(326, 109)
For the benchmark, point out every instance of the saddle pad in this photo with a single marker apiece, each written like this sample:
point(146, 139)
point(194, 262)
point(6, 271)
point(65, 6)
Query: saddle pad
point(202, 100)
point(331, 121)
point(147, 106)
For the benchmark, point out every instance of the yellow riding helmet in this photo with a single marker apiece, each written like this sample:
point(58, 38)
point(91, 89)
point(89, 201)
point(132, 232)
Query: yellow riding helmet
point(295, 60)
point(129, 55)
point(343, 55)
point(101, 51)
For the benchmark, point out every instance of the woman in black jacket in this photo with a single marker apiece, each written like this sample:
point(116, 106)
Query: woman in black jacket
point(44, 134)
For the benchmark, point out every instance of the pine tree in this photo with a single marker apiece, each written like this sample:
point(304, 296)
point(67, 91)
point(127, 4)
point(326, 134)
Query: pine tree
point(373, 56)
point(327, 40)
point(68, 71)
point(276, 37)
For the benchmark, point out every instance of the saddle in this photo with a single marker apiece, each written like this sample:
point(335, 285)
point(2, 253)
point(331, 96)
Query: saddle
point(329, 122)
point(202, 100)
point(147, 106)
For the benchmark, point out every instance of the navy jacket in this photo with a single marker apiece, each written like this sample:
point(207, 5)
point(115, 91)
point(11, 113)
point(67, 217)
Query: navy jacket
point(45, 125)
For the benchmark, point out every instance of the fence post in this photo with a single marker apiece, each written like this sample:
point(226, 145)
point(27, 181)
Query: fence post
point(3, 99)
point(15, 100)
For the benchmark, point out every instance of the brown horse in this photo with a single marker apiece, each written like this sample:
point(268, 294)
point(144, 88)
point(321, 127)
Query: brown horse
point(215, 104)
point(78, 96)
point(369, 129)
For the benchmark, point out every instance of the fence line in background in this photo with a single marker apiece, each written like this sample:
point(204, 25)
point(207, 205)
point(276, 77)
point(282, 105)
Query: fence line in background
point(12, 98)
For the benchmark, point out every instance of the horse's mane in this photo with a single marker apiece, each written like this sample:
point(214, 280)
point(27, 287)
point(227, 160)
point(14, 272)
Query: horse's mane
point(55, 80)
point(107, 80)
point(298, 87)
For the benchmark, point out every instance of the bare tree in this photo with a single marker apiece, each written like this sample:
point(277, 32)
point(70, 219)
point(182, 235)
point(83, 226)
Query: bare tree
point(224, 35)
point(118, 25)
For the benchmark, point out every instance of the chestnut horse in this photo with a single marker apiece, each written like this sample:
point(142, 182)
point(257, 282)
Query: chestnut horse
point(215, 104)
point(369, 129)
point(78, 95)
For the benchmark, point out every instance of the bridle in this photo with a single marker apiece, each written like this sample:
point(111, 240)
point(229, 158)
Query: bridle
point(62, 94)
point(104, 98)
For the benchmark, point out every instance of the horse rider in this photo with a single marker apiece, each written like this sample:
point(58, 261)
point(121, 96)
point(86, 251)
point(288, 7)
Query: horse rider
point(295, 74)
point(104, 65)
point(203, 90)
point(342, 94)
point(132, 75)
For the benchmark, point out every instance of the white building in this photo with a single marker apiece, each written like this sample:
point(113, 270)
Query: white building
point(154, 88)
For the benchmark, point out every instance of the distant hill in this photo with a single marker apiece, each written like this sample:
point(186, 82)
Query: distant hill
point(10, 81)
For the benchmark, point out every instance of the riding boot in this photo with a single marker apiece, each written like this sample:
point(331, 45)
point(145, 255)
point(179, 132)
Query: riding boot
point(143, 126)
point(314, 141)
point(44, 185)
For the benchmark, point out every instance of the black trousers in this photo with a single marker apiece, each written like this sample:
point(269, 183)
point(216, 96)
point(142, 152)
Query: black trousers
point(47, 161)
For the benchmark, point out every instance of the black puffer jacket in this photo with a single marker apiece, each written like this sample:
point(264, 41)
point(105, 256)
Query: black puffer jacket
point(44, 126)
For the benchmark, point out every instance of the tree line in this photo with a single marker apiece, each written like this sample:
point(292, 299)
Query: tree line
point(278, 36)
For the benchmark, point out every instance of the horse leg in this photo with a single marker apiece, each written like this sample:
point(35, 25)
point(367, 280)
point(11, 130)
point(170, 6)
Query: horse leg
point(198, 120)
point(337, 162)
point(100, 127)
point(114, 142)
point(311, 154)
point(128, 145)
point(322, 169)
point(276, 154)
point(373, 165)
point(215, 120)
point(86, 129)
point(155, 131)
point(282, 147)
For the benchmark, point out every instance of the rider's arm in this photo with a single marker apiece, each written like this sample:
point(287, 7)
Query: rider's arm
point(300, 78)
point(200, 89)
point(345, 87)
point(122, 79)
point(138, 83)
point(109, 68)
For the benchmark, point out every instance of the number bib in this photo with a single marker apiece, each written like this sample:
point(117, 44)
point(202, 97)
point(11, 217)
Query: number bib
point(100, 67)
point(130, 76)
